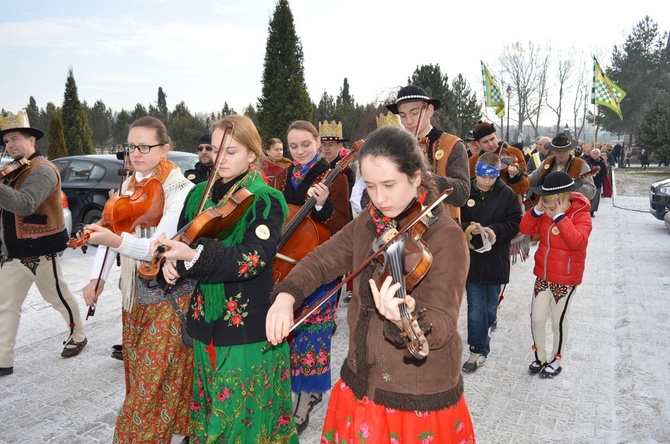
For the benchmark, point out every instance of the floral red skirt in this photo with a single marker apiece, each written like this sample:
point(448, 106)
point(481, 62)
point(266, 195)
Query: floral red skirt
point(362, 421)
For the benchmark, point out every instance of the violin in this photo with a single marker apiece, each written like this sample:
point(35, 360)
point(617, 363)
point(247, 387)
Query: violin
point(392, 237)
point(510, 159)
point(407, 260)
point(14, 167)
point(210, 223)
point(124, 213)
point(302, 234)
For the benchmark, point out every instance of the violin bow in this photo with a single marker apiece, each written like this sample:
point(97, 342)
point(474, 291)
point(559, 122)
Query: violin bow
point(228, 129)
point(125, 173)
point(366, 262)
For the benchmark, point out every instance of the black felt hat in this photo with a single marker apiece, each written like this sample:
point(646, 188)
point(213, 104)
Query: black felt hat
point(561, 142)
point(412, 93)
point(557, 182)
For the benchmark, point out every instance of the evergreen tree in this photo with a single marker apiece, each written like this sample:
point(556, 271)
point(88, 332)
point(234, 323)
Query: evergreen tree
point(430, 78)
point(653, 130)
point(162, 105)
point(120, 127)
point(36, 119)
point(184, 128)
point(138, 112)
point(250, 112)
point(284, 95)
point(468, 110)
point(56, 136)
point(78, 135)
point(640, 67)
point(100, 118)
point(325, 110)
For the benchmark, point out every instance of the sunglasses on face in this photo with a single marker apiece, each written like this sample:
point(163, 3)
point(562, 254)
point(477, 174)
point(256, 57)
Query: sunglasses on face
point(205, 147)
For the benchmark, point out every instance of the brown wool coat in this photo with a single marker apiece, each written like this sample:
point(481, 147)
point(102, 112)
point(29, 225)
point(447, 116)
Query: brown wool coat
point(376, 365)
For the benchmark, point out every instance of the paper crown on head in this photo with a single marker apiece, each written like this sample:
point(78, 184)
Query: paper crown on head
point(388, 119)
point(18, 122)
point(331, 131)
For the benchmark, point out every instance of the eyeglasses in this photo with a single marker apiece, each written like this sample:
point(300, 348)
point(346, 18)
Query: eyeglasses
point(205, 147)
point(143, 149)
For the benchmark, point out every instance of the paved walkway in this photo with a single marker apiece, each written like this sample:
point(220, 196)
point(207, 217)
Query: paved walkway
point(615, 385)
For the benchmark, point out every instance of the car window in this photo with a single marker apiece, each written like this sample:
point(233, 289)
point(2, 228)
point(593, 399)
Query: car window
point(83, 171)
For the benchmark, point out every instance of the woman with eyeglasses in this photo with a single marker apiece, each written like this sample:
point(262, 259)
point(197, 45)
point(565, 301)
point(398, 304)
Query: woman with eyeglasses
point(273, 161)
point(241, 393)
point(158, 367)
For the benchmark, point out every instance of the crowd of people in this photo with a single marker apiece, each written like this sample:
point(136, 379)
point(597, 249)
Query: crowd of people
point(231, 276)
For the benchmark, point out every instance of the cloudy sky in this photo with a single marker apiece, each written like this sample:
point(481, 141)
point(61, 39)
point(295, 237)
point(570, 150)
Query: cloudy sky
point(205, 52)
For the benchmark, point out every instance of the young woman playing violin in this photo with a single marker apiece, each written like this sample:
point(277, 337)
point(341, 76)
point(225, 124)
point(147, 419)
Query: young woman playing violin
point(311, 343)
point(157, 365)
point(385, 394)
point(240, 393)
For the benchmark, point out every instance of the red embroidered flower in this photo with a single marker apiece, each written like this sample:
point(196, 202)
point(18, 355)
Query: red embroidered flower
point(283, 420)
point(254, 259)
point(244, 269)
point(237, 319)
point(195, 406)
point(231, 305)
point(225, 394)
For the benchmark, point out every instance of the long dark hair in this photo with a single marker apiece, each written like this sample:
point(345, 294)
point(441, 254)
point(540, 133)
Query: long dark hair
point(401, 148)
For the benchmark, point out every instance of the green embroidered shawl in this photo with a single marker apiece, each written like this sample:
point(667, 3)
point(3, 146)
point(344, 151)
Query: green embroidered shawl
point(214, 293)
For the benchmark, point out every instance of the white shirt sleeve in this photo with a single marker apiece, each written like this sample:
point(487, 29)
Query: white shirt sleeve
point(356, 193)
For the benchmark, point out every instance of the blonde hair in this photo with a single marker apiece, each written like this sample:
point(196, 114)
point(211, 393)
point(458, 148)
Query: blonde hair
point(304, 125)
point(244, 132)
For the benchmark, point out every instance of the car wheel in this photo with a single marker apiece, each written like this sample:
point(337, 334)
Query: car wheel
point(91, 216)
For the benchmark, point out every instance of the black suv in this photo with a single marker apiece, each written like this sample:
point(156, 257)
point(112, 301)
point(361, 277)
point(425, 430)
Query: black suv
point(659, 198)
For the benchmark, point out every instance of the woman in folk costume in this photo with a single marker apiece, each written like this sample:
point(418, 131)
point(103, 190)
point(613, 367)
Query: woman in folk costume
point(158, 367)
point(273, 161)
point(240, 393)
point(386, 395)
point(311, 344)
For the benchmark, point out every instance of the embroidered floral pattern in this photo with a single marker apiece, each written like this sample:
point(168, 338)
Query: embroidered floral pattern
point(249, 265)
point(235, 311)
point(559, 291)
point(198, 307)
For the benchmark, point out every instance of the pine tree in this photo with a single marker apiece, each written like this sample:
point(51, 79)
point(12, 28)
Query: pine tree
point(35, 117)
point(284, 95)
point(56, 137)
point(100, 118)
point(78, 134)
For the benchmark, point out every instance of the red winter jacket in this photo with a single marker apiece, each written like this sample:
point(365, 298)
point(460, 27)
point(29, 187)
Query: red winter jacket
point(561, 254)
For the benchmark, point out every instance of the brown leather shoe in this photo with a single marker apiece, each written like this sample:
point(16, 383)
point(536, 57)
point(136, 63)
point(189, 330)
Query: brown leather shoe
point(73, 348)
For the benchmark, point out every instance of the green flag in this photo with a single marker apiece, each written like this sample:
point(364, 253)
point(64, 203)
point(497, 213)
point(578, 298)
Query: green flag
point(492, 92)
point(605, 92)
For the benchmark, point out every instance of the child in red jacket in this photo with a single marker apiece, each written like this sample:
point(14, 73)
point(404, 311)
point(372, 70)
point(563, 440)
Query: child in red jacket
point(562, 220)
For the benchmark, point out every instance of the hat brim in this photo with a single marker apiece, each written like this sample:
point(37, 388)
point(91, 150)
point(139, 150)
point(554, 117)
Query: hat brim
point(571, 146)
point(542, 192)
point(333, 139)
point(37, 134)
point(393, 107)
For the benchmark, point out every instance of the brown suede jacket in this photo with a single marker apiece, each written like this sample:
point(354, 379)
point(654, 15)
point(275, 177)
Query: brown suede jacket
point(378, 365)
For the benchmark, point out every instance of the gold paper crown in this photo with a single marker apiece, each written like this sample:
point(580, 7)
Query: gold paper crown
point(389, 119)
point(17, 122)
point(331, 131)
point(10, 121)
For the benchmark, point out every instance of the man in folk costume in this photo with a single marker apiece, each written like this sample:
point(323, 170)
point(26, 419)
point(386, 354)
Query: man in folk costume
point(445, 152)
point(537, 154)
point(514, 162)
point(33, 233)
point(563, 160)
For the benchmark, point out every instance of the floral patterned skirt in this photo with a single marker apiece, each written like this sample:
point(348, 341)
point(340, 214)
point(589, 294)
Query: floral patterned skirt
point(159, 375)
point(310, 343)
point(246, 398)
point(362, 421)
